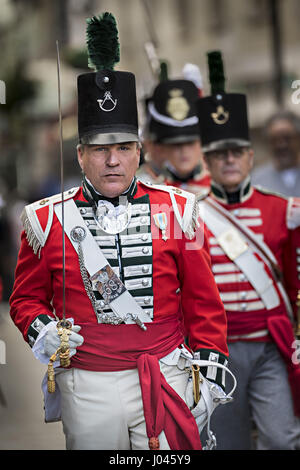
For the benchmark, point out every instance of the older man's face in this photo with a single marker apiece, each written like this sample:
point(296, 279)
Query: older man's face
point(230, 167)
point(110, 168)
point(284, 143)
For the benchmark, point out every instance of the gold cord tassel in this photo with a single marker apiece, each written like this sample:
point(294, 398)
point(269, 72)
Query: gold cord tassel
point(63, 331)
point(64, 349)
point(51, 374)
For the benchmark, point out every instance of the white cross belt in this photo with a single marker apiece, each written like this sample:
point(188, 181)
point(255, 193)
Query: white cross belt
point(95, 261)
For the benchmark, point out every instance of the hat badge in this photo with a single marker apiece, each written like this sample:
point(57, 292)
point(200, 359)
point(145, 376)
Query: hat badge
point(107, 104)
point(177, 105)
point(220, 116)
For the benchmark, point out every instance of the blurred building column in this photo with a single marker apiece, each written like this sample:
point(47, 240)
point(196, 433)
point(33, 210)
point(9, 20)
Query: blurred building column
point(276, 50)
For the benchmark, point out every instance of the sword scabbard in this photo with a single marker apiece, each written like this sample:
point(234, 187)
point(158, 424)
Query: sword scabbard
point(196, 382)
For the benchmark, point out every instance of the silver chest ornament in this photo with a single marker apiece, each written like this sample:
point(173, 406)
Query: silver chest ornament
point(112, 219)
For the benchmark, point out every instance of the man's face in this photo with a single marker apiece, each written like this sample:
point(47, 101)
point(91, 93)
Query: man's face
point(230, 167)
point(184, 157)
point(284, 143)
point(110, 168)
point(156, 151)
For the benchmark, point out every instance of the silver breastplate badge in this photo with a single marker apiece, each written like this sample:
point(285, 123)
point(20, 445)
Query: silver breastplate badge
point(112, 219)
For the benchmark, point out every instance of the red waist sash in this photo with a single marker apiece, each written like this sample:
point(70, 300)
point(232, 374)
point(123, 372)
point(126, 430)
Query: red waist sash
point(121, 347)
point(243, 323)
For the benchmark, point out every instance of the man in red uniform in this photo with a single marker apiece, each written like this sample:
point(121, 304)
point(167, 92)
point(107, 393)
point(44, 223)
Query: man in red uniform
point(171, 138)
point(254, 239)
point(129, 249)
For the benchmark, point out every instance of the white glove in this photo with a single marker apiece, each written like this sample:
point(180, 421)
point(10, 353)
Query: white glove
point(52, 340)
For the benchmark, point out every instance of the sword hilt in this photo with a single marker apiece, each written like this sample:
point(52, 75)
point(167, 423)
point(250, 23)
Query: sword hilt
point(64, 324)
point(64, 328)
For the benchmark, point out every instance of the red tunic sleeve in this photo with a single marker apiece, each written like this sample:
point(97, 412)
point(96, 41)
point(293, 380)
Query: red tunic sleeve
point(203, 311)
point(32, 292)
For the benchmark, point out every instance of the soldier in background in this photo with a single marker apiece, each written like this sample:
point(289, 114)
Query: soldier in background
point(171, 138)
point(254, 238)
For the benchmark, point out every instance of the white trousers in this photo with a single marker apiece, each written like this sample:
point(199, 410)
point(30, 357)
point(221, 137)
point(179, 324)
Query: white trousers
point(104, 410)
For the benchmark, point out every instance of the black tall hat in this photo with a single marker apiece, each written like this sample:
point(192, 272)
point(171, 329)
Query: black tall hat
point(171, 111)
point(223, 120)
point(107, 104)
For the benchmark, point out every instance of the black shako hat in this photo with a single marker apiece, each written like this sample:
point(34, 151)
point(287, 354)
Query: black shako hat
point(107, 103)
point(171, 112)
point(223, 120)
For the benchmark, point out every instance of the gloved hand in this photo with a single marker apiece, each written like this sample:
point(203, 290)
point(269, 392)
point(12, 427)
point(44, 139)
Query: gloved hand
point(52, 340)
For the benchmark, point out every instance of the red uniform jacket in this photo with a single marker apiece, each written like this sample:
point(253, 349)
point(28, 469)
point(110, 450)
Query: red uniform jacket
point(199, 183)
point(277, 221)
point(176, 264)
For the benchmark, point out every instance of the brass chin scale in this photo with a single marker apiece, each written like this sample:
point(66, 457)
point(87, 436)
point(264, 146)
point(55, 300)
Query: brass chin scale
point(64, 327)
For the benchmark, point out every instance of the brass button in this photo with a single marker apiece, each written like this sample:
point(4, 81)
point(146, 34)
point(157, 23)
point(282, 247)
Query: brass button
point(43, 202)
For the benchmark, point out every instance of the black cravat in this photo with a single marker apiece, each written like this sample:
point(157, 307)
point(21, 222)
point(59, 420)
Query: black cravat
point(94, 196)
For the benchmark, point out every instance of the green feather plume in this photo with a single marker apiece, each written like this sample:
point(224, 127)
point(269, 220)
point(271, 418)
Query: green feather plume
point(163, 73)
point(216, 72)
point(102, 42)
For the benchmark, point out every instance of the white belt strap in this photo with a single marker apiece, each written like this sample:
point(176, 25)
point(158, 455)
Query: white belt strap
point(235, 247)
point(94, 260)
point(211, 402)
